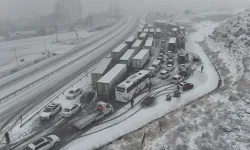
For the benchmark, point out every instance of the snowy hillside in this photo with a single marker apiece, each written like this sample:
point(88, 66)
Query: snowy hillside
point(219, 120)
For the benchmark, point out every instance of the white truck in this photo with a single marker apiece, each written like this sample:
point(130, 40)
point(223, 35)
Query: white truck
point(102, 110)
point(140, 59)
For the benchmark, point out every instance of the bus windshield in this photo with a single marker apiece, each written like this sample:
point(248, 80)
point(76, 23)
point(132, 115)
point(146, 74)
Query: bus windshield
point(120, 89)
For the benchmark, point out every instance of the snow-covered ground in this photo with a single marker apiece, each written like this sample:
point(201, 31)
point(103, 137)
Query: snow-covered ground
point(32, 48)
point(138, 116)
point(217, 121)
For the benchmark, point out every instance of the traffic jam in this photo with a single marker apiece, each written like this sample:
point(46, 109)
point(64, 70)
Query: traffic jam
point(153, 57)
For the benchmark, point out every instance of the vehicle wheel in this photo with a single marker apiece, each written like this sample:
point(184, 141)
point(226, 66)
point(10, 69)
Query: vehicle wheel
point(56, 144)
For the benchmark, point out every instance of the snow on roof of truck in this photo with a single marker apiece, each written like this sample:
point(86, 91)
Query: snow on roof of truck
point(133, 78)
point(152, 30)
point(129, 53)
point(131, 39)
point(149, 42)
point(141, 54)
point(109, 76)
point(102, 66)
point(160, 21)
point(120, 47)
point(158, 30)
point(137, 43)
point(172, 40)
point(146, 30)
point(143, 35)
point(140, 30)
point(181, 27)
point(174, 29)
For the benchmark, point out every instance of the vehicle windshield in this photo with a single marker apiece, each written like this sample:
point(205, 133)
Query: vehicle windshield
point(174, 78)
point(71, 92)
point(120, 89)
point(162, 73)
point(47, 109)
point(49, 139)
point(66, 110)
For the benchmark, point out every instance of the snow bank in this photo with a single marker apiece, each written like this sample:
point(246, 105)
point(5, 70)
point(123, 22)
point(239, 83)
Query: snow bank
point(204, 83)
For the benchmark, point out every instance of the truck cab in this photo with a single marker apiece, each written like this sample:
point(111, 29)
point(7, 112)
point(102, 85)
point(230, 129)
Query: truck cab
point(152, 71)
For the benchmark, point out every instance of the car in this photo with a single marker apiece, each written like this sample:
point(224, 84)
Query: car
point(177, 79)
point(50, 110)
point(170, 61)
point(185, 86)
point(161, 54)
point(170, 67)
point(162, 50)
point(73, 93)
point(160, 58)
point(68, 112)
point(164, 74)
point(44, 143)
point(170, 54)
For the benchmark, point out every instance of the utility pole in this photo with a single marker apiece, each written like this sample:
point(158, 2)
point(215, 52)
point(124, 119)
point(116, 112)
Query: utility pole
point(15, 56)
point(45, 47)
point(56, 33)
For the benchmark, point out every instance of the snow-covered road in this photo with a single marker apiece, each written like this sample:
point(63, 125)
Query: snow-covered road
point(203, 83)
point(19, 80)
point(30, 98)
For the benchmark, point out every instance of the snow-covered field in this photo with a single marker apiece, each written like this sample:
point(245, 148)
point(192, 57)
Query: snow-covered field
point(32, 48)
point(217, 121)
point(138, 116)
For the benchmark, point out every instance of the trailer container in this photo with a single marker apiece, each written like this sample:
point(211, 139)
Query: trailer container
point(149, 43)
point(160, 23)
point(130, 41)
point(119, 51)
point(127, 57)
point(151, 32)
point(143, 37)
point(174, 32)
point(140, 59)
point(106, 85)
point(103, 67)
point(172, 44)
point(158, 33)
point(139, 31)
point(137, 46)
point(146, 30)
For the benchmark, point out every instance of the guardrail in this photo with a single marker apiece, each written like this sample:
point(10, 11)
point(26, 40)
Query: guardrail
point(13, 94)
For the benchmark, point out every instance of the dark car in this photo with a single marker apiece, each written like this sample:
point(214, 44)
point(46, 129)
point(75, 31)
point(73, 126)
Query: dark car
point(186, 86)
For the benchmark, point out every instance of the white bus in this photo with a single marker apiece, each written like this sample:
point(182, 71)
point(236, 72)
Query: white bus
point(126, 90)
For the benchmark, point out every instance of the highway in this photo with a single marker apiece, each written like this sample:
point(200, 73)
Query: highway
point(20, 80)
point(32, 97)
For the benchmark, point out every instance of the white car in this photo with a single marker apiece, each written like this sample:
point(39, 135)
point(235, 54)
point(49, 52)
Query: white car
point(170, 61)
point(170, 67)
point(49, 111)
point(160, 58)
point(44, 143)
point(164, 74)
point(68, 112)
point(177, 79)
point(74, 93)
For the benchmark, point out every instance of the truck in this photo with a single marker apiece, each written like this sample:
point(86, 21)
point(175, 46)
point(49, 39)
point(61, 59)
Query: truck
point(102, 110)
point(103, 67)
point(146, 30)
point(151, 32)
point(139, 31)
point(106, 84)
point(172, 44)
point(143, 37)
point(158, 33)
point(174, 32)
point(130, 41)
point(137, 46)
point(127, 57)
point(183, 57)
point(140, 59)
point(149, 43)
point(119, 51)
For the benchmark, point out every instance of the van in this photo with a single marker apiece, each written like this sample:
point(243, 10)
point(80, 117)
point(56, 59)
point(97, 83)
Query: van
point(156, 64)
point(164, 74)
point(152, 71)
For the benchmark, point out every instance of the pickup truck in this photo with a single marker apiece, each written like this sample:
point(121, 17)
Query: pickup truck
point(102, 110)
